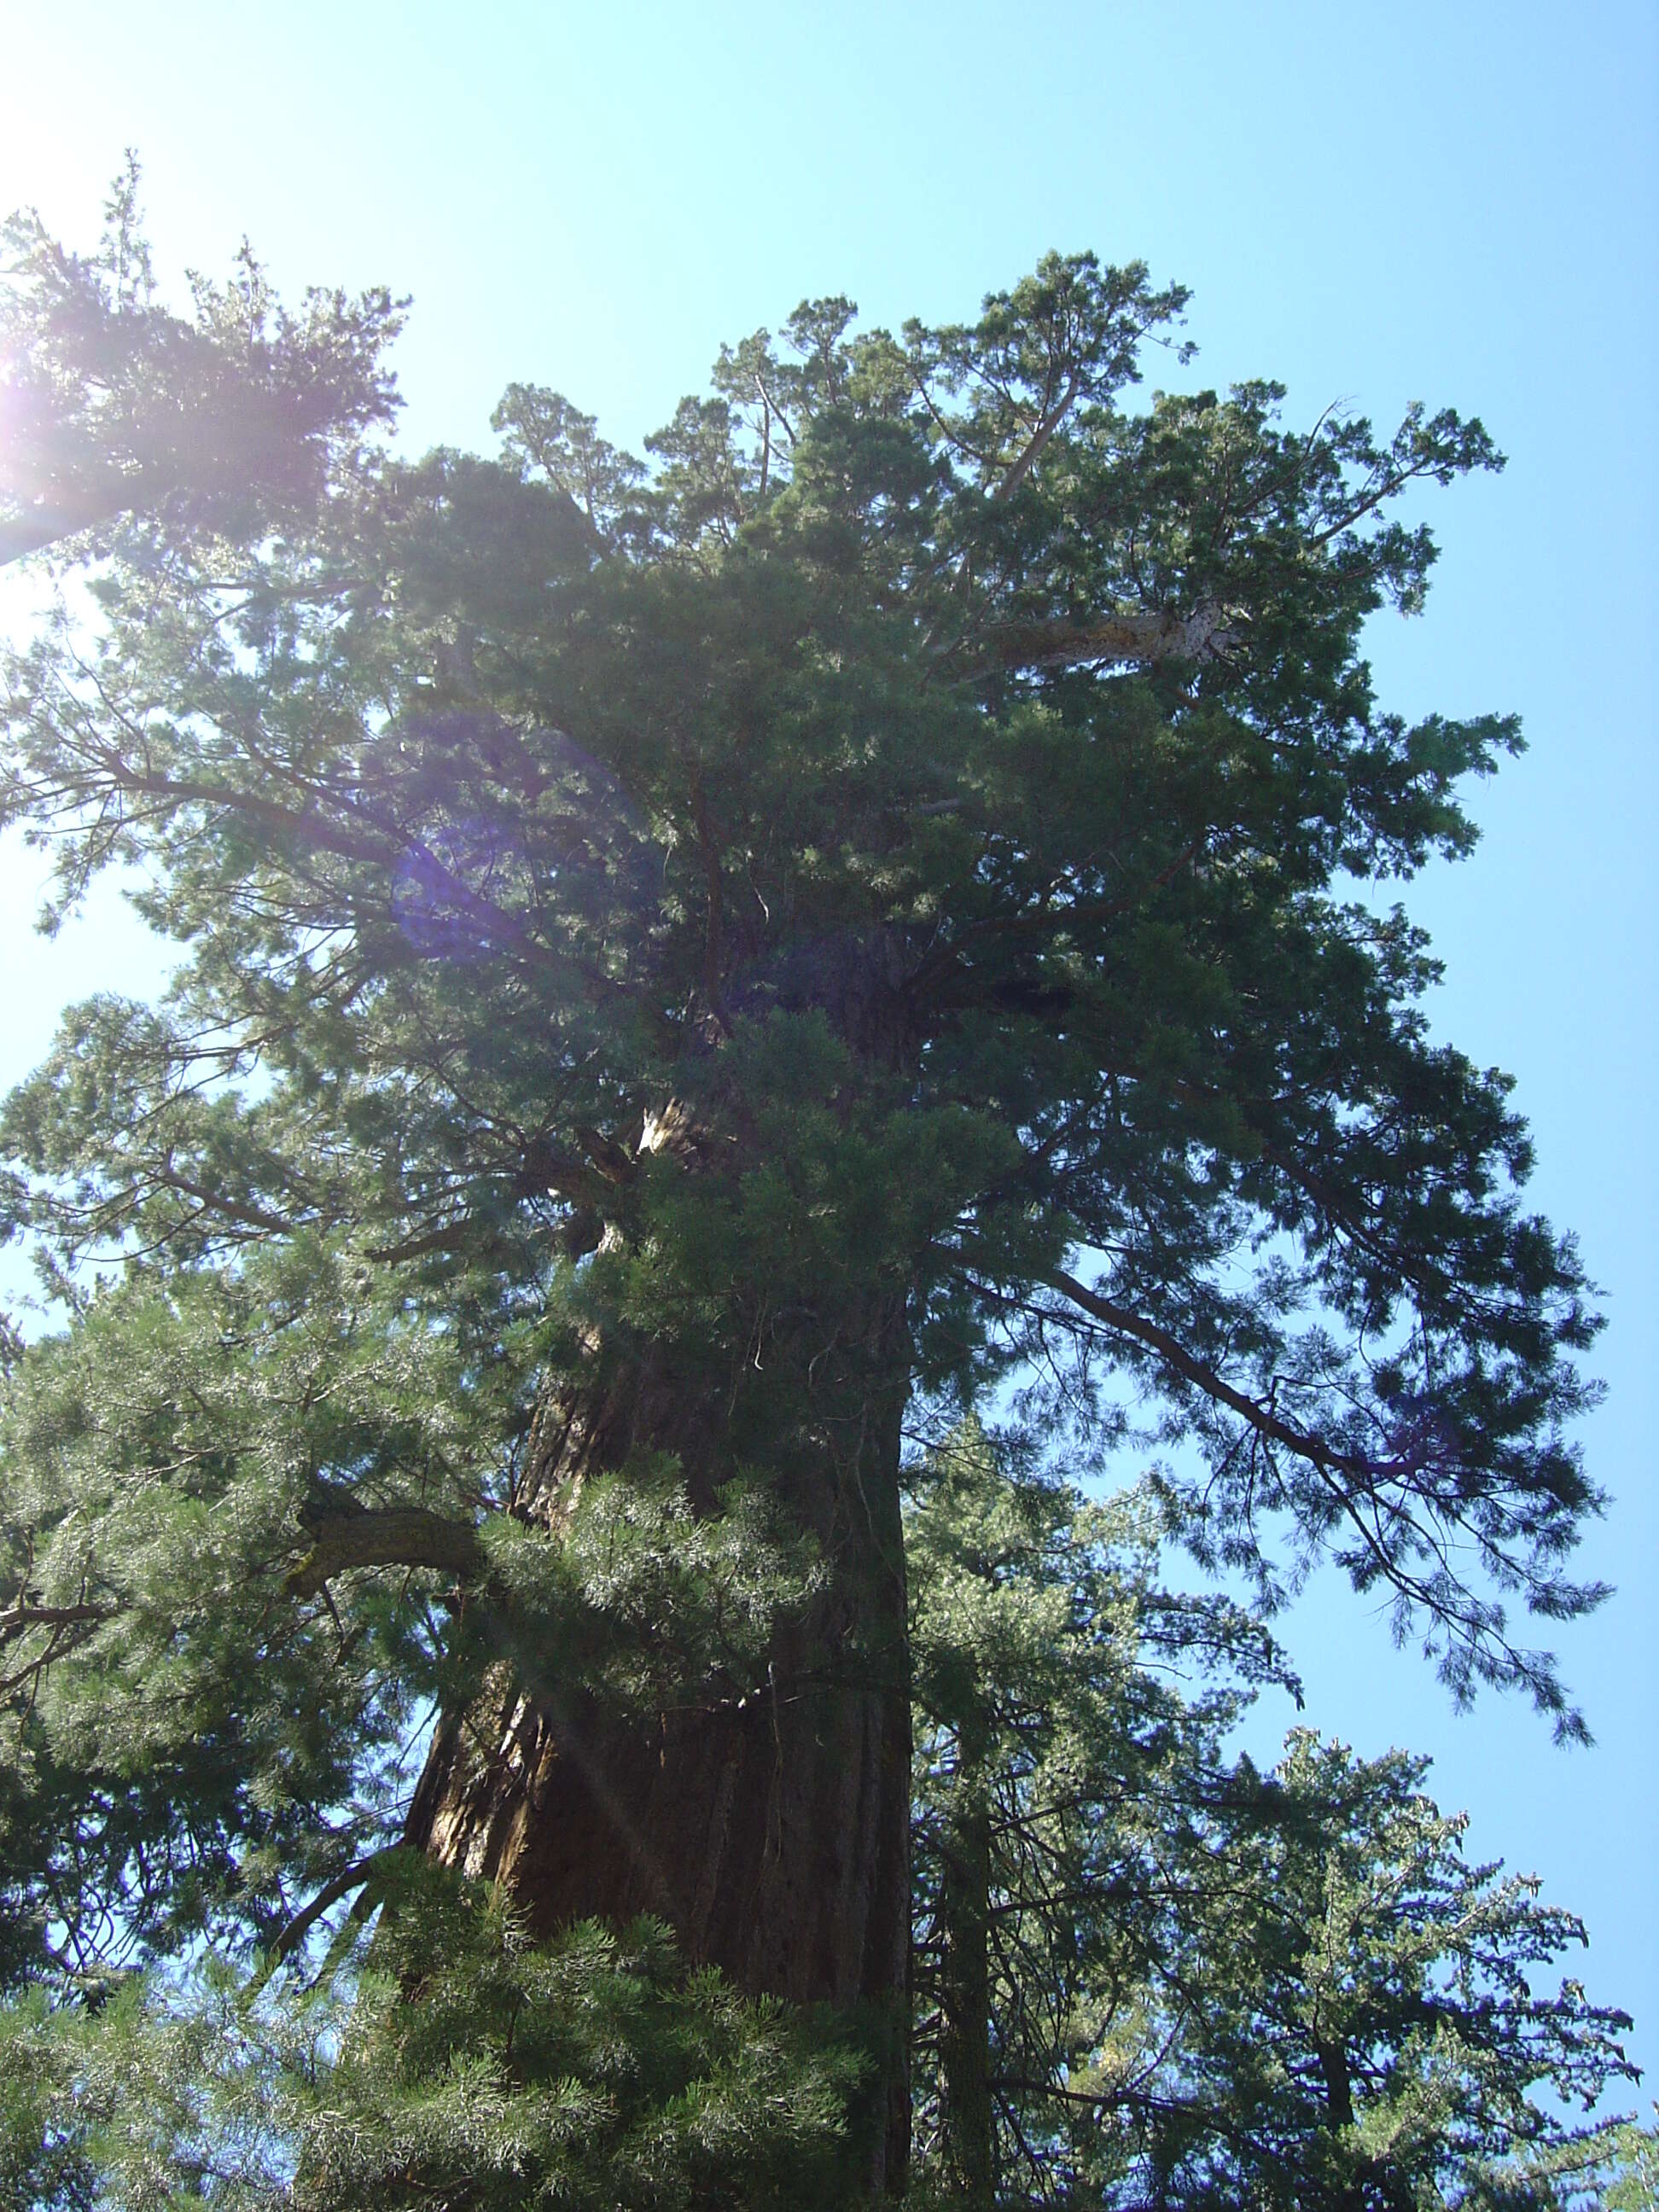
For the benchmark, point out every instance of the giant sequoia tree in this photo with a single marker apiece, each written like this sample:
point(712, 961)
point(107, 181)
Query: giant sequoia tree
point(689, 970)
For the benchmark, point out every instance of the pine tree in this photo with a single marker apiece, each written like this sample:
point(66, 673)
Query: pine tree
point(687, 972)
point(1147, 1976)
point(1065, 1797)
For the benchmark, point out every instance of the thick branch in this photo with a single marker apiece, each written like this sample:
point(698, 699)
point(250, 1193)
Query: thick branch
point(1038, 443)
point(308, 829)
point(396, 1536)
point(30, 527)
point(1338, 2097)
point(220, 1202)
point(1150, 636)
point(18, 1619)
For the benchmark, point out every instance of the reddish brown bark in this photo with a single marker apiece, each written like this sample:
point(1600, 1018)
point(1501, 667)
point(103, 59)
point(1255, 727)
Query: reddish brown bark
point(771, 1833)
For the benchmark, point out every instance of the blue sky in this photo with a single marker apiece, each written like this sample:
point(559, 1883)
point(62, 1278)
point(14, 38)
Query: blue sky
point(1372, 204)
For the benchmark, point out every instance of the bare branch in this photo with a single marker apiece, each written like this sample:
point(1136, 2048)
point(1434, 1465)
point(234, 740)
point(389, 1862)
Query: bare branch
point(1038, 443)
point(363, 1871)
point(1176, 1357)
point(18, 1619)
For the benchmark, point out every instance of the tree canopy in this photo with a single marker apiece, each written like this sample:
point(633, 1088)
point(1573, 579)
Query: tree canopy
point(691, 972)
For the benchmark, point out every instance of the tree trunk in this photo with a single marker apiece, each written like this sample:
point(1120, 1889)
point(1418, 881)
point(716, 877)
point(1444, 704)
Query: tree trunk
point(1339, 2105)
point(772, 1834)
point(965, 1981)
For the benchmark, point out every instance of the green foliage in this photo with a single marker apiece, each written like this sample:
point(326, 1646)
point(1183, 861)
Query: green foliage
point(643, 1601)
point(463, 2066)
point(1366, 2021)
point(1613, 2168)
point(1197, 1986)
point(200, 1726)
point(111, 403)
point(1061, 1790)
point(180, 1740)
point(1634, 2186)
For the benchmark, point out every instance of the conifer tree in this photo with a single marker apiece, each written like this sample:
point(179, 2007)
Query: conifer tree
point(688, 971)
point(1147, 1976)
point(1066, 1790)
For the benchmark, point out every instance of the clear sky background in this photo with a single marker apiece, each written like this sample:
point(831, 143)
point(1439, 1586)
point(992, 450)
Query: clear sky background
point(1373, 204)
